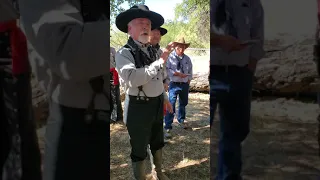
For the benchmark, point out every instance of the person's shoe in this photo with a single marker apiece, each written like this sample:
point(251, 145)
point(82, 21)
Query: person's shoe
point(139, 170)
point(167, 133)
point(157, 173)
point(184, 125)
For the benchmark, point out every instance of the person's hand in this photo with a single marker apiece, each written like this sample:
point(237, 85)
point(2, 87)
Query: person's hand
point(183, 75)
point(177, 74)
point(170, 47)
point(166, 87)
point(167, 51)
point(168, 106)
point(252, 65)
point(229, 43)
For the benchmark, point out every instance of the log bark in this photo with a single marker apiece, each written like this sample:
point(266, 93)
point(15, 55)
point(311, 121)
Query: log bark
point(291, 70)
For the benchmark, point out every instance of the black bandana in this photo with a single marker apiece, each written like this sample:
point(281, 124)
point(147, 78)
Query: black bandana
point(141, 58)
point(157, 47)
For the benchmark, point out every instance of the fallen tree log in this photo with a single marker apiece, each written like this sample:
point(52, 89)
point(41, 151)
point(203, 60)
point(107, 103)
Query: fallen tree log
point(291, 71)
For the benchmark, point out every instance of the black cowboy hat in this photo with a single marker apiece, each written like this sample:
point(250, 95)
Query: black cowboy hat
point(162, 30)
point(138, 11)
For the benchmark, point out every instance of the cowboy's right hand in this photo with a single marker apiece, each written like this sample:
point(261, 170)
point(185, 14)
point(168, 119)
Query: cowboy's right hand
point(171, 46)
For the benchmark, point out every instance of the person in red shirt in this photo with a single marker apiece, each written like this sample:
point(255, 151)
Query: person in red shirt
point(20, 157)
point(117, 112)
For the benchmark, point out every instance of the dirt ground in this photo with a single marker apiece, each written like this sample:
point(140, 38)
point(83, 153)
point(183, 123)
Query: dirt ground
point(279, 147)
point(282, 144)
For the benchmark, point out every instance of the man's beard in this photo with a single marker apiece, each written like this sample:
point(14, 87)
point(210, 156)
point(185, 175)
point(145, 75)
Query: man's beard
point(144, 39)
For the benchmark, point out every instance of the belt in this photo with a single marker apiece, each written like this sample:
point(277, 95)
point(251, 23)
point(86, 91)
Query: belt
point(144, 98)
point(179, 82)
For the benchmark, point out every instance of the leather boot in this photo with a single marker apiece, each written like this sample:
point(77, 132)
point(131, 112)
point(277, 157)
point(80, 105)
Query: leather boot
point(157, 171)
point(139, 170)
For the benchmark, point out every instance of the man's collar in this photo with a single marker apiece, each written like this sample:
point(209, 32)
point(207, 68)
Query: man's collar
point(140, 44)
point(175, 53)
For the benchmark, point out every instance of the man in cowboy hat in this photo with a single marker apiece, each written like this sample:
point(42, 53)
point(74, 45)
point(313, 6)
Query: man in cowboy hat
point(179, 69)
point(140, 68)
point(154, 40)
point(69, 54)
point(232, 67)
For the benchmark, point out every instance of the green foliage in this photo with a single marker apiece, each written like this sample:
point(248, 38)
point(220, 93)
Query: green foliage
point(197, 14)
point(115, 7)
point(192, 21)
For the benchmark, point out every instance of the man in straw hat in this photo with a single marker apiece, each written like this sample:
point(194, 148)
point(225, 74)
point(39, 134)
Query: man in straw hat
point(179, 69)
point(140, 69)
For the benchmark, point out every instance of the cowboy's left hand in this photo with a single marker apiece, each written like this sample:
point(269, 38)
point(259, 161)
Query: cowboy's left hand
point(166, 87)
point(252, 64)
point(168, 106)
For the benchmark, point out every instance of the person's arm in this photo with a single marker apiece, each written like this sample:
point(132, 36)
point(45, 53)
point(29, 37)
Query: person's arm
point(215, 39)
point(135, 77)
point(165, 96)
point(170, 72)
point(316, 36)
point(190, 70)
point(257, 31)
point(74, 50)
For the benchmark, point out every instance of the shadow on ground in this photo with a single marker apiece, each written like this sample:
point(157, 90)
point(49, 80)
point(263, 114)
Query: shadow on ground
point(278, 150)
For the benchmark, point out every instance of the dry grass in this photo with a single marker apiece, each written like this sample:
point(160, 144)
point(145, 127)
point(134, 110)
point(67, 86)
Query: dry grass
point(278, 148)
point(186, 157)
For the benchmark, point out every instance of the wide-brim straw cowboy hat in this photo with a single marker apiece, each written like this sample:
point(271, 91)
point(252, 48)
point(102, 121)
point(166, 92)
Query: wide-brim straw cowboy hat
point(162, 30)
point(138, 11)
point(182, 42)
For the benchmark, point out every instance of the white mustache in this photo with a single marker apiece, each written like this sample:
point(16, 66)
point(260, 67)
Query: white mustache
point(145, 33)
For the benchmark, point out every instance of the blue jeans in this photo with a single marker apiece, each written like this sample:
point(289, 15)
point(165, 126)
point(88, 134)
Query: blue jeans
point(230, 88)
point(175, 90)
